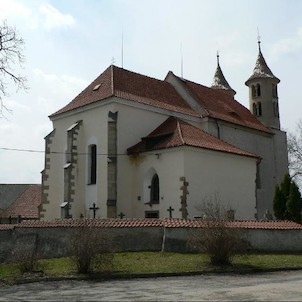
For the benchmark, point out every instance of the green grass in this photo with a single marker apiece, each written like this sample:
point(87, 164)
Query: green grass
point(271, 261)
point(152, 262)
point(57, 266)
point(157, 262)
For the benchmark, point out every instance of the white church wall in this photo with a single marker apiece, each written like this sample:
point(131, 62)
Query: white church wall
point(222, 177)
point(93, 131)
point(56, 175)
point(132, 124)
point(209, 174)
point(281, 155)
point(261, 144)
point(168, 164)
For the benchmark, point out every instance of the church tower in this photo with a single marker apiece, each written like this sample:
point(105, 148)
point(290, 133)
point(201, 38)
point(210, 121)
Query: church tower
point(263, 93)
point(219, 81)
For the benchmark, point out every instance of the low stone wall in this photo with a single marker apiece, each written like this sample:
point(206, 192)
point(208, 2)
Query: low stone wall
point(53, 240)
point(177, 239)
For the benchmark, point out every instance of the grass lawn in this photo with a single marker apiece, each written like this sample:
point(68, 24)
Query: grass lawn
point(157, 262)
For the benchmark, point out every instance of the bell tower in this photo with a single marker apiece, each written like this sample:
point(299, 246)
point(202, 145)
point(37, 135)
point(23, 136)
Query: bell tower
point(263, 93)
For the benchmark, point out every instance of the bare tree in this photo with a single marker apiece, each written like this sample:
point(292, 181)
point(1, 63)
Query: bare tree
point(217, 239)
point(11, 54)
point(294, 145)
point(91, 249)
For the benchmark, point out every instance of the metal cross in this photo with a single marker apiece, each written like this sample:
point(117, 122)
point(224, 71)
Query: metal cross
point(121, 215)
point(94, 208)
point(170, 210)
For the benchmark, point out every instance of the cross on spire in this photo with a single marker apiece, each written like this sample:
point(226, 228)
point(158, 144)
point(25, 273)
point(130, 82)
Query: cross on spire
point(94, 208)
point(217, 57)
point(258, 38)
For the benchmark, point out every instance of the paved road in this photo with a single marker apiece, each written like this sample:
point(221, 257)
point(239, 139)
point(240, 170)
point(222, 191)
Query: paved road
point(278, 286)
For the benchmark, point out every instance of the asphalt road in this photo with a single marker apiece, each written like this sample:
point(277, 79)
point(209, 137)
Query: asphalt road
point(277, 286)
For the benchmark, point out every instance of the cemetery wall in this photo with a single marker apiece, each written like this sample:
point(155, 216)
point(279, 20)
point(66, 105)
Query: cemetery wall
point(53, 242)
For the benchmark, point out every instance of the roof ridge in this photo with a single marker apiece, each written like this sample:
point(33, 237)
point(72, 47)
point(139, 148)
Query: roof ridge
point(180, 131)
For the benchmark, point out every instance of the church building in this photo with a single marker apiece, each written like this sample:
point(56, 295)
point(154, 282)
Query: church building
point(134, 146)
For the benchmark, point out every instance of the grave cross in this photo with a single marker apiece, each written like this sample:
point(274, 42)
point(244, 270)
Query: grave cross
point(170, 210)
point(121, 215)
point(94, 208)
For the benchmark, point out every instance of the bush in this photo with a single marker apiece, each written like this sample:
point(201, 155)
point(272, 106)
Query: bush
point(287, 200)
point(293, 205)
point(91, 250)
point(26, 257)
point(219, 241)
point(279, 203)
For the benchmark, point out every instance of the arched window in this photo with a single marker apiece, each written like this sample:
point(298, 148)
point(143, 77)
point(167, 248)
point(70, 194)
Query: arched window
point(274, 91)
point(154, 190)
point(259, 109)
point(92, 163)
point(276, 109)
point(254, 109)
point(258, 90)
point(253, 91)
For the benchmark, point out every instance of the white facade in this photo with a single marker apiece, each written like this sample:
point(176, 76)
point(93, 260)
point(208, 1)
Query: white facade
point(208, 172)
point(89, 171)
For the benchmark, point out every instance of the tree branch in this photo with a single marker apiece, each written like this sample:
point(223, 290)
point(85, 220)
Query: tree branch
point(11, 53)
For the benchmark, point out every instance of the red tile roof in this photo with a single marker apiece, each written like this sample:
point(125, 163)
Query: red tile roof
point(118, 82)
point(174, 133)
point(221, 105)
point(4, 227)
point(26, 205)
point(162, 222)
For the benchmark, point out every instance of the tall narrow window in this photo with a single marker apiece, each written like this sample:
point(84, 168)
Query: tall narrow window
point(259, 109)
point(276, 108)
point(253, 91)
point(154, 193)
point(258, 90)
point(254, 109)
point(93, 163)
point(274, 91)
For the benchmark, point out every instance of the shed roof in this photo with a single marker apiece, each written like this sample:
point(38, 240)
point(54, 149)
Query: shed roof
point(175, 133)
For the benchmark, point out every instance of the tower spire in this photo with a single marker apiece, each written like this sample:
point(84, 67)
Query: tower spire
point(263, 94)
point(219, 81)
point(261, 69)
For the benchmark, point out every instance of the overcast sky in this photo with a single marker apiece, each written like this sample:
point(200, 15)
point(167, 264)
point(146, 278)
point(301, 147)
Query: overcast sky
point(70, 42)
